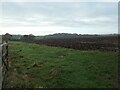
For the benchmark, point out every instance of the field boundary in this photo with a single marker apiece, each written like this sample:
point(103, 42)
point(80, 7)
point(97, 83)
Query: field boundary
point(3, 62)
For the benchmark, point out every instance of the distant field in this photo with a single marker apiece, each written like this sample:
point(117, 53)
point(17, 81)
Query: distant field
point(38, 66)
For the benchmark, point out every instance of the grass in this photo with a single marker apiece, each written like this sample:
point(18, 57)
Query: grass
point(38, 66)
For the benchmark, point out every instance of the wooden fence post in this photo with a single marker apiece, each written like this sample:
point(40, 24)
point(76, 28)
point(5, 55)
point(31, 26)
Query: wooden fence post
point(1, 78)
point(0, 39)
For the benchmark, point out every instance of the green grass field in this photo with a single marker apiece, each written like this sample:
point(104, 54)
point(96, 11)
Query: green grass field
point(37, 66)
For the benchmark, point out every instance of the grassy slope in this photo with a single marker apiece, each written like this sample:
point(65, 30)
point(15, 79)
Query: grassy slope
point(43, 66)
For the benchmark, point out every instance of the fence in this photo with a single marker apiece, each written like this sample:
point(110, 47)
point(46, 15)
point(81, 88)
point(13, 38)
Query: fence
point(3, 61)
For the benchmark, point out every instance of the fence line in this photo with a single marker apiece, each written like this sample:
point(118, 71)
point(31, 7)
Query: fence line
point(3, 62)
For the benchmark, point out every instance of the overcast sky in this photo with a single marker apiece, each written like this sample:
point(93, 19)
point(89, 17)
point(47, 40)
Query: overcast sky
point(41, 18)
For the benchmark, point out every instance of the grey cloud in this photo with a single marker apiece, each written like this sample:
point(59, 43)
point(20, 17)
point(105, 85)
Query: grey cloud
point(60, 14)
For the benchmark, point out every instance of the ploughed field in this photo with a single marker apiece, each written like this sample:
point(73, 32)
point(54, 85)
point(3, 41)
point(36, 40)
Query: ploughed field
point(41, 66)
point(102, 43)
